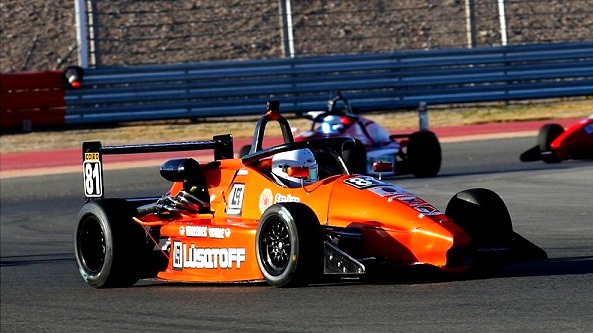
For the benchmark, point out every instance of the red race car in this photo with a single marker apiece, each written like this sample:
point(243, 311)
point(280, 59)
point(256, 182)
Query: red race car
point(291, 214)
point(556, 144)
point(418, 153)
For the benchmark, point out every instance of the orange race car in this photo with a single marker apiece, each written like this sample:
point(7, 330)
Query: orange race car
point(289, 214)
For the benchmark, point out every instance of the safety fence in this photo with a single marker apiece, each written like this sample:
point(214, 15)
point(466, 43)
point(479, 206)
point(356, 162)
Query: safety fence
point(371, 82)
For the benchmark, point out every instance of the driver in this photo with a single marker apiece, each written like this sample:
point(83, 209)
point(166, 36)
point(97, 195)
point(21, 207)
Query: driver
point(295, 158)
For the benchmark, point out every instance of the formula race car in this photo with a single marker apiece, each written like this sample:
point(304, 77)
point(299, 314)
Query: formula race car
point(556, 145)
point(291, 215)
point(418, 153)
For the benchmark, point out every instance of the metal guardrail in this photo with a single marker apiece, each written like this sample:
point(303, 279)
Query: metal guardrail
point(371, 82)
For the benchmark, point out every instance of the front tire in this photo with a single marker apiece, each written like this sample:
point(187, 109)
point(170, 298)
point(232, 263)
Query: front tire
point(483, 215)
point(108, 244)
point(289, 245)
point(355, 158)
point(547, 134)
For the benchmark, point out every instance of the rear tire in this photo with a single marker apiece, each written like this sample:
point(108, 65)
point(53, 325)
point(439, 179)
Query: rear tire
point(424, 154)
point(547, 134)
point(108, 244)
point(289, 245)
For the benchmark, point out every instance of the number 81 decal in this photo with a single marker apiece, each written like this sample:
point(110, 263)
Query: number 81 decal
point(93, 185)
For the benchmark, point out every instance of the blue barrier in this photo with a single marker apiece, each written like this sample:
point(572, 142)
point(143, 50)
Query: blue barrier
point(371, 82)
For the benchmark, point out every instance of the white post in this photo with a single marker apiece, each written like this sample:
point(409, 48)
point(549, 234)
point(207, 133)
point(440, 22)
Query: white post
point(289, 28)
point(470, 24)
point(81, 36)
point(503, 23)
point(286, 28)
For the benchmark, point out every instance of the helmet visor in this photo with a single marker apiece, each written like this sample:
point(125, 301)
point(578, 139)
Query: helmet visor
point(313, 173)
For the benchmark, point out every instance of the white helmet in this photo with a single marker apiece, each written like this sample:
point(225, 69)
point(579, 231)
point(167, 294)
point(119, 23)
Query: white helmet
point(295, 158)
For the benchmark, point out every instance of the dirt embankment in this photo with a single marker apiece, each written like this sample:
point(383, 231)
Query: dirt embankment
point(41, 34)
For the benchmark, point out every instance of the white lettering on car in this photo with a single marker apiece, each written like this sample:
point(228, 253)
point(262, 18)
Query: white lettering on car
point(196, 231)
point(219, 232)
point(286, 198)
point(203, 231)
point(190, 256)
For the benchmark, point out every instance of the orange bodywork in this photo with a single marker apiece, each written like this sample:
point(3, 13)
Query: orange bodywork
point(234, 220)
point(396, 226)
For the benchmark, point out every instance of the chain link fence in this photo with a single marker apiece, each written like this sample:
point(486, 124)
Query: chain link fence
point(138, 32)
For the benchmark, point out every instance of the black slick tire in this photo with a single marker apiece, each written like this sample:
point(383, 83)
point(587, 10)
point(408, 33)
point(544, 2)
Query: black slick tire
point(355, 158)
point(289, 246)
point(424, 154)
point(108, 244)
point(547, 134)
point(483, 215)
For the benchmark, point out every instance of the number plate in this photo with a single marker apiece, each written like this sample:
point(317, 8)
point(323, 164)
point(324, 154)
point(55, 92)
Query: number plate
point(93, 184)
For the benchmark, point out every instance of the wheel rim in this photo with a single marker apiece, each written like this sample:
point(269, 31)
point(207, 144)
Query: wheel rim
point(276, 248)
point(92, 245)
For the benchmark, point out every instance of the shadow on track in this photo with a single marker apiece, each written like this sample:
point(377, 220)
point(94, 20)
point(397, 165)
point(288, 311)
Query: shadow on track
point(548, 267)
point(36, 259)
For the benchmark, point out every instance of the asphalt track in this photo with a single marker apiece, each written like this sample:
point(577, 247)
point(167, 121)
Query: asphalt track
point(551, 205)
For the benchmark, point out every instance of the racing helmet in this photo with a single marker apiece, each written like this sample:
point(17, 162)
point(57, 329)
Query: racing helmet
point(295, 158)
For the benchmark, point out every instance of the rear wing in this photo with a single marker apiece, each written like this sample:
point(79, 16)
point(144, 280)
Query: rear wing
point(93, 151)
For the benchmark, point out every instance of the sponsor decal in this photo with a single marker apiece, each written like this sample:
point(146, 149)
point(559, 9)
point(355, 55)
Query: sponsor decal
point(196, 231)
point(190, 256)
point(589, 129)
point(427, 210)
point(286, 198)
point(242, 172)
point(204, 232)
point(405, 197)
point(91, 156)
point(410, 200)
point(265, 200)
point(388, 191)
point(363, 182)
point(235, 204)
point(219, 233)
point(393, 192)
